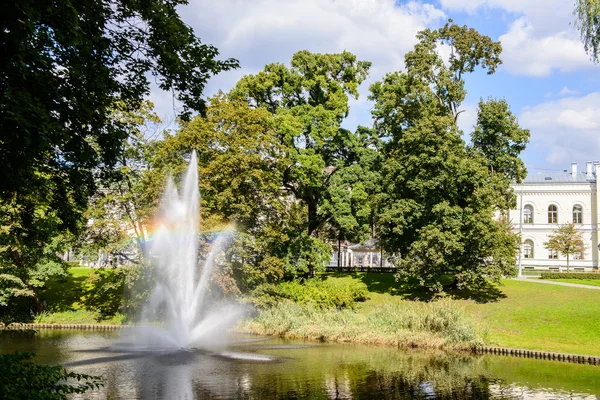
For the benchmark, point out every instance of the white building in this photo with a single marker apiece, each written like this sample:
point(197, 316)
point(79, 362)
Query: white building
point(546, 201)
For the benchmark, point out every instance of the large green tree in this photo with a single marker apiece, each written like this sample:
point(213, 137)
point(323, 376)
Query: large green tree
point(499, 138)
point(324, 164)
point(240, 168)
point(63, 66)
point(439, 196)
point(118, 215)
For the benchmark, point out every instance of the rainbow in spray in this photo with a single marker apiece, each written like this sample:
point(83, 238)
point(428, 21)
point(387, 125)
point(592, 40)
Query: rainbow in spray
point(180, 297)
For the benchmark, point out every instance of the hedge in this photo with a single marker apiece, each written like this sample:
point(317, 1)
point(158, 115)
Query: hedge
point(570, 275)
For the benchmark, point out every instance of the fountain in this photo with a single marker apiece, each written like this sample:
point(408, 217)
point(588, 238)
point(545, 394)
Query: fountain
point(187, 317)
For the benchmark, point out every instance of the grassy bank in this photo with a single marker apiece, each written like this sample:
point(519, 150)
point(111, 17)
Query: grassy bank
point(65, 297)
point(433, 325)
point(541, 317)
point(516, 314)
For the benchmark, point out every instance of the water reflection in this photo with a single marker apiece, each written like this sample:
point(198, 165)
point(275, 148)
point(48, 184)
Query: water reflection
point(276, 369)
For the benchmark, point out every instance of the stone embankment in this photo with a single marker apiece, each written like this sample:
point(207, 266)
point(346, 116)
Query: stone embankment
point(17, 327)
point(503, 351)
point(541, 355)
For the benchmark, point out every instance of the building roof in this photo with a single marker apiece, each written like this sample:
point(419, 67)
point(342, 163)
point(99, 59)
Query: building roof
point(561, 177)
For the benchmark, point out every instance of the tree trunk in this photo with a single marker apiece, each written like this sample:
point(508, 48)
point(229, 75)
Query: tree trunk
point(339, 260)
point(313, 223)
point(567, 263)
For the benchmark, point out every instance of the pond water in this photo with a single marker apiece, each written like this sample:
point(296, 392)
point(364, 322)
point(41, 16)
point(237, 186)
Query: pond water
point(258, 368)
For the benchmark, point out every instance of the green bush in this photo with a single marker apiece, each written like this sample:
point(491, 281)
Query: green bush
point(104, 292)
point(21, 378)
point(570, 275)
point(73, 264)
point(320, 293)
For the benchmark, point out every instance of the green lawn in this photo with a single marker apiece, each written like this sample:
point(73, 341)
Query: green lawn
point(62, 297)
point(63, 294)
point(517, 314)
point(590, 282)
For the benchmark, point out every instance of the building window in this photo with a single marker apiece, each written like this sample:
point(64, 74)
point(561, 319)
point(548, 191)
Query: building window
point(578, 214)
point(528, 249)
point(578, 256)
point(528, 215)
point(552, 254)
point(552, 214)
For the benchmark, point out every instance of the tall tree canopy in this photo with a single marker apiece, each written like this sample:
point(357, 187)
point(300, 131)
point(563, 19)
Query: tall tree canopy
point(323, 162)
point(63, 66)
point(438, 201)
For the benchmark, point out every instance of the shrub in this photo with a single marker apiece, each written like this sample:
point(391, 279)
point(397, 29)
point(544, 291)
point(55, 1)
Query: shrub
point(570, 275)
point(320, 293)
point(407, 324)
point(21, 378)
point(104, 292)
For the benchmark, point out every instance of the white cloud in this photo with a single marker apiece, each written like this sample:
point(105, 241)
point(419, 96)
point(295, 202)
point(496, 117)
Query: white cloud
point(524, 53)
point(540, 40)
point(267, 31)
point(565, 129)
point(548, 16)
point(567, 92)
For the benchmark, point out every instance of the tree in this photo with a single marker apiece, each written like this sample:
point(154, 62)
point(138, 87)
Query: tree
point(63, 67)
point(587, 13)
point(309, 101)
point(240, 168)
point(436, 213)
point(120, 210)
point(567, 240)
point(501, 140)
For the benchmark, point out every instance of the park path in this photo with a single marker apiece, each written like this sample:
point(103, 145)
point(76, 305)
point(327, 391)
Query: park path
point(547, 282)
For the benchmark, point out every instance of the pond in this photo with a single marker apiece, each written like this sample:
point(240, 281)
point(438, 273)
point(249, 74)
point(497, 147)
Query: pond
point(267, 368)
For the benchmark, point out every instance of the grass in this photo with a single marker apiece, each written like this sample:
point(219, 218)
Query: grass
point(77, 317)
point(64, 294)
point(516, 314)
point(541, 317)
point(590, 282)
point(432, 325)
point(63, 297)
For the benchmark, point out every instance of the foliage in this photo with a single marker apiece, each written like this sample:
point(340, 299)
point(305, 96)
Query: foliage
point(104, 292)
point(64, 65)
point(319, 293)
point(500, 139)
point(322, 164)
point(121, 205)
point(439, 196)
point(436, 325)
point(587, 13)
point(35, 265)
point(572, 275)
point(567, 240)
point(21, 378)
point(90, 295)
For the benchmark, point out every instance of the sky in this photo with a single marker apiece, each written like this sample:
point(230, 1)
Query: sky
point(546, 77)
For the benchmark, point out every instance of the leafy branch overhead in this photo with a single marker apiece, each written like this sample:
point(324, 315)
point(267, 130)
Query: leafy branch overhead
point(64, 66)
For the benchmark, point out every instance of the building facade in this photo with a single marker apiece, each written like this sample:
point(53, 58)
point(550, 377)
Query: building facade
point(546, 201)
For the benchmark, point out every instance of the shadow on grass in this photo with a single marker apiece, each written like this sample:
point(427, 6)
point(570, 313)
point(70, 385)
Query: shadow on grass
point(63, 294)
point(385, 283)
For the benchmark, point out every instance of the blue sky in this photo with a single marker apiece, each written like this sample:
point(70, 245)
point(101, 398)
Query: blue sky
point(546, 77)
